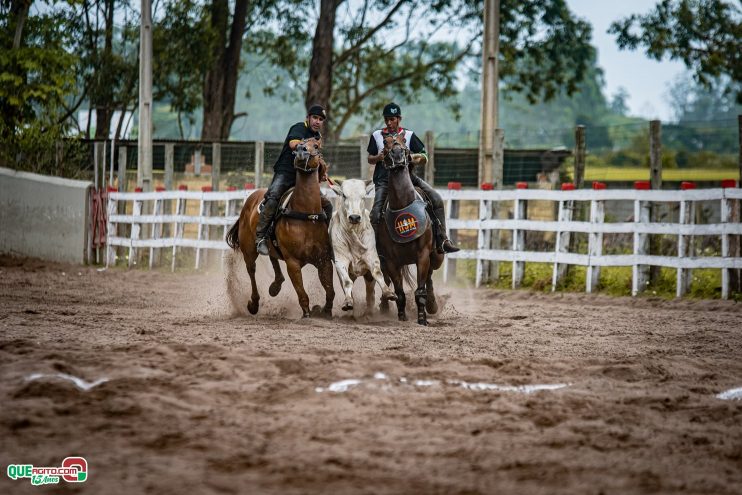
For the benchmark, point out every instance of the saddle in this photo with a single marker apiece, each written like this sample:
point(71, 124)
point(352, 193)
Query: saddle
point(410, 222)
point(284, 211)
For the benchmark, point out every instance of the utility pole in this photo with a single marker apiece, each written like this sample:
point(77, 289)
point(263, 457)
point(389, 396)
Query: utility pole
point(490, 168)
point(144, 156)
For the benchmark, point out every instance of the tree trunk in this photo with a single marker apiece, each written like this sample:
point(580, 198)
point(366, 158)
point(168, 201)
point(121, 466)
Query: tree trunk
point(105, 94)
point(220, 83)
point(319, 86)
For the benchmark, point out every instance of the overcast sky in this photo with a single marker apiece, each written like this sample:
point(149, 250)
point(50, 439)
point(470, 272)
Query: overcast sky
point(645, 80)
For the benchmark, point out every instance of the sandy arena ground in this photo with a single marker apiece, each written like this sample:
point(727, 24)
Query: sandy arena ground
point(198, 401)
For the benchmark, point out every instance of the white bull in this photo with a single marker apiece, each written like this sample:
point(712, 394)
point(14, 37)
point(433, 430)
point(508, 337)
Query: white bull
point(354, 243)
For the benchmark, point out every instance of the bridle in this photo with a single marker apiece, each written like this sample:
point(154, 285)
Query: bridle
point(398, 155)
point(302, 155)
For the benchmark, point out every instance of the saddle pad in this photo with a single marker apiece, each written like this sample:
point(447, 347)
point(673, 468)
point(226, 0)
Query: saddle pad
point(409, 223)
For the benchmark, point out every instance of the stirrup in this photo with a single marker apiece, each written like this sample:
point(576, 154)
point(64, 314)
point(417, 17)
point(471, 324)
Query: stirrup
point(447, 246)
point(262, 245)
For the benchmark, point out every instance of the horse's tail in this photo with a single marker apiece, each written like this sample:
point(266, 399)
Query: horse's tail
point(233, 236)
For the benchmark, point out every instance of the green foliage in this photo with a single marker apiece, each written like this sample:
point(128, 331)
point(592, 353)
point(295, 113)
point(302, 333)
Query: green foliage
point(704, 34)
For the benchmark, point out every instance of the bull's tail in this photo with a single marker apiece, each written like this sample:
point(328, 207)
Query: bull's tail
point(409, 277)
point(233, 236)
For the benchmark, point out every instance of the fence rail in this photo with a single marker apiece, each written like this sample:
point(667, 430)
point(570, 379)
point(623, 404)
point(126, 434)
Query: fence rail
point(147, 228)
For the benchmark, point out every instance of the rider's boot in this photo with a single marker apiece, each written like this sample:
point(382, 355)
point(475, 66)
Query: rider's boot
point(443, 243)
point(267, 214)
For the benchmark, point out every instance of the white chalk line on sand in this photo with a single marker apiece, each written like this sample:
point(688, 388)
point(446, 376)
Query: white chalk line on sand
point(345, 385)
point(731, 394)
point(79, 382)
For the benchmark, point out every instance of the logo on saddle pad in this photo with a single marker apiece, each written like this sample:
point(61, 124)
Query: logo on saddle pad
point(407, 224)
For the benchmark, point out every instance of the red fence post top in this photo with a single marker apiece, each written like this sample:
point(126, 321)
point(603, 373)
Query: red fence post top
point(249, 185)
point(521, 185)
point(488, 186)
point(138, 189)
point(111, 189)
point(568, 186)
point(599, 185)
point(687, 185)
point(728, 183)
point(160, 189)
point(231, 188)
point(456, 186)
point(206, 188)
point(642, 185)
point(182, 187)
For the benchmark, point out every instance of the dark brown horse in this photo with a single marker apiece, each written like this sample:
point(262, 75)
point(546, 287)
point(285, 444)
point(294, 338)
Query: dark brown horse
point(301, 232)
point(406, 233)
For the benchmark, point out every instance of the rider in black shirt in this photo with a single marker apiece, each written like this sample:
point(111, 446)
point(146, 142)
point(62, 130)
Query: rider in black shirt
point(392, 118)
point(284, 175)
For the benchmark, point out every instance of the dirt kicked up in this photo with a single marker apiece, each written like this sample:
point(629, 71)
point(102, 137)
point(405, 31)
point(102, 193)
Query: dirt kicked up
point(149, 377)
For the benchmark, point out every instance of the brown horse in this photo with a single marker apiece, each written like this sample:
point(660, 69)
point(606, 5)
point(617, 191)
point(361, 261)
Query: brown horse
point(406, 236)
point(301, 232)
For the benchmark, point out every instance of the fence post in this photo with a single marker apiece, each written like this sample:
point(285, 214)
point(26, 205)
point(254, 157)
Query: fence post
point(216, 165)
point(640, 273)
point(429, 175)
point(135, 229)
point(363, 155)
point(736, 248)
point(686, 217)
point(566, 208)
point(655, 178)
point(727, 207)
point(259, 163)
point(452, 211)
point(111, 209)
point(572, 208)
point(203, 229)
point(491, 269)
point(520, 212)
point(156, 232)
point(595, 240)
point(197, 159)
point(483, 241)
point(180, 209)
point(122, 168)
point(169, 165)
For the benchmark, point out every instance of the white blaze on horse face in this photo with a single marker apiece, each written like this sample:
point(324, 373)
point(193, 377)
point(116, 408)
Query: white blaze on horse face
point(354, 192)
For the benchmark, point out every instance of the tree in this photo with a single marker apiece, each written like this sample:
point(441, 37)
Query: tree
point(383, 50)
point(619, 101)
point(704, 34)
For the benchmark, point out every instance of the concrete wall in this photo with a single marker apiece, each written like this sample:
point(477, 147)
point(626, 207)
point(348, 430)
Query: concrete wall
point(44, 217)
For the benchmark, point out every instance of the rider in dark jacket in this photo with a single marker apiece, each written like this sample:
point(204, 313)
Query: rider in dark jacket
point(392, 118)
point(284, 175)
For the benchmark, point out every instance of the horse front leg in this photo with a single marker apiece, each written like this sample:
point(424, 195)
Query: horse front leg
point(432, 304)
point(341, 267)
point(325, 278)
point(294, 268)
point(395, 273)
point(423, 266)
point(278, 279)
point(250, 254)
point(386, 292)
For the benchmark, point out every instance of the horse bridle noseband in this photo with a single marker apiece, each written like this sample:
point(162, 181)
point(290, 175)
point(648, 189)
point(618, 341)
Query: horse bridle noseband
point(304, 155)
point(390, 163)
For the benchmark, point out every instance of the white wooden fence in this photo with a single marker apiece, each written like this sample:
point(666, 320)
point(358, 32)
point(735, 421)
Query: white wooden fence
point(146, 230)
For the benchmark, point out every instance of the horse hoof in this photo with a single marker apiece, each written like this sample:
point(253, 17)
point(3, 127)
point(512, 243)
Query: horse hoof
point(422, 321)
point(384, 308)
point(306, 315)
point(392, 297)
point(431, 306)
point(347, 307)
point(253, 306)
point(402, 317)
point(326, 313)
point(275, 288)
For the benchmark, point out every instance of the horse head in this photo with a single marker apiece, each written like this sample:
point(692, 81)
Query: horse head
point(352, 193)
point(396, 151)
point(308, 155)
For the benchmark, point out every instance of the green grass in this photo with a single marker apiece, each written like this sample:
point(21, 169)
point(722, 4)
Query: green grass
point(614, 281)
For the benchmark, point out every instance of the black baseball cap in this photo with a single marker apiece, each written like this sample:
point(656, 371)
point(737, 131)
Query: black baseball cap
point(392, 110)
point(317, 110)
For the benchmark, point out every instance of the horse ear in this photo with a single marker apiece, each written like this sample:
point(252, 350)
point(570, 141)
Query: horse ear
point(369, 187)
